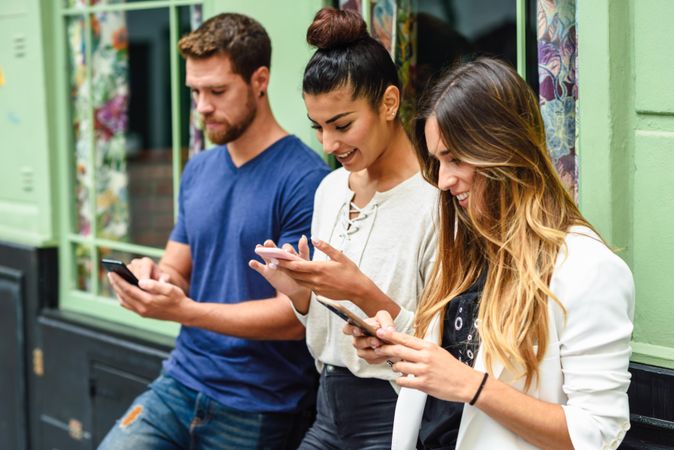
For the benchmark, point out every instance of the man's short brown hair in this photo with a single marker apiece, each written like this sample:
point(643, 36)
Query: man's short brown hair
point(239, 37)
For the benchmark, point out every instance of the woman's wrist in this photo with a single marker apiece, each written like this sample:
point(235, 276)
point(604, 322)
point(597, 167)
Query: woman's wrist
point(372, 300)
point(359, 289)
point(474, 387)
point(479, 389)
point(301, 300)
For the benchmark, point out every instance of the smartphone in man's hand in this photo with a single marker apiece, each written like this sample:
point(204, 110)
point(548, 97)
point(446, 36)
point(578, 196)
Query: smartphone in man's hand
point(118, 267)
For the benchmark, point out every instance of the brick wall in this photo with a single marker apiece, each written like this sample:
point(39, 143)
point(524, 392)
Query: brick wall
point(151, 197)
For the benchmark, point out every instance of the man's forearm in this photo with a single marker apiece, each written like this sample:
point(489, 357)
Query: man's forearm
point(268, 319)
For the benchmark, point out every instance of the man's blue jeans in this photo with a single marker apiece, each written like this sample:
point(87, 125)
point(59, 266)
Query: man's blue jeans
point(172, 416)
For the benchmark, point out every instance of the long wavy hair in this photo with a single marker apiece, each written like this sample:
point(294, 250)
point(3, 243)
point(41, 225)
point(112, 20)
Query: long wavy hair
point(517, 216)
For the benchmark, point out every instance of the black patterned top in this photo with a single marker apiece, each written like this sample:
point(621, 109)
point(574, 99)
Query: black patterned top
point(441, 419)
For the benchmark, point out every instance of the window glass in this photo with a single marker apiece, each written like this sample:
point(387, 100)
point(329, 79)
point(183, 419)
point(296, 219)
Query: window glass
point(193, 139)
point(453, 30)
point(110, 97)
point(74, 3)
point(83, 265)
point(81, 123)
point(113, 2)
point(149, 145)
point(532, 46)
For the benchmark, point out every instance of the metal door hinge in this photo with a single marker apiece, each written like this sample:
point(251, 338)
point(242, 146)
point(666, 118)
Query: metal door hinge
point(38, 362)
point(75, 429)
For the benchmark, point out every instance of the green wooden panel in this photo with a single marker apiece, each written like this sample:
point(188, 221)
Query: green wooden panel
point(110, 310)
point(13, 7)
point(654, 237)
point(653, 244)
point(604, 116)
point(627, 156)
point(287, 27)
point(655, 355)
point(25, 198)
point(654, 55)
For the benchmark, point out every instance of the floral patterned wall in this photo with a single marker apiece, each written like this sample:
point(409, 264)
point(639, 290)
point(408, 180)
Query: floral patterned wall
point(393, 24)
point(557, 54)
point(197, 138)
point(108, 90)
point(405, 57)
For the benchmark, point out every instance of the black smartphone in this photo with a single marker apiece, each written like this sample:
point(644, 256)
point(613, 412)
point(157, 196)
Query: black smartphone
point(113, 265)
point(348, 316)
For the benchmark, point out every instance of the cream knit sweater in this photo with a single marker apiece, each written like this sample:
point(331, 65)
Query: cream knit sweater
point(393, 241)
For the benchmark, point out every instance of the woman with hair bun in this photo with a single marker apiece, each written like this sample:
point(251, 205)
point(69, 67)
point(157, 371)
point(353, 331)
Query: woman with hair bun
point(528, 313)
point(372, 229)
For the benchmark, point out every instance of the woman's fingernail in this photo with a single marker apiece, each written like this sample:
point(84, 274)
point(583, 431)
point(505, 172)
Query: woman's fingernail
point(316, 241)
point(273, 265)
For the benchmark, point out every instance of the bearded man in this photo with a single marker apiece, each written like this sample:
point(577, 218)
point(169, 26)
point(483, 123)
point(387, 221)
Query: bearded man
point(240, 376)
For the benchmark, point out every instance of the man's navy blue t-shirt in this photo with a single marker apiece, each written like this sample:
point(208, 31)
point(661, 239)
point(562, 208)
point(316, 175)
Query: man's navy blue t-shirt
point(224, 211)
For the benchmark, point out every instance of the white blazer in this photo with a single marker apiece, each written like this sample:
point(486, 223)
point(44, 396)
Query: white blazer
point(585, 367)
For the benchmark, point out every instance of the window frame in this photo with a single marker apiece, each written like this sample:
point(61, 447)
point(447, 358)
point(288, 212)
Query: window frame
point(70, 297)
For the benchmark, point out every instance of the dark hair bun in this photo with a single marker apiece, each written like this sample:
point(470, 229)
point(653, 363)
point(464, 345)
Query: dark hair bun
point(334, 28)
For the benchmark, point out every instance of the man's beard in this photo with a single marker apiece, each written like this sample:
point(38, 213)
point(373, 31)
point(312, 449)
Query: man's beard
point(232, 132)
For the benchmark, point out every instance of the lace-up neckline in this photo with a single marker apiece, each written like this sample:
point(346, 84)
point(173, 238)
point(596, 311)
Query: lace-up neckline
point(361, 224)
point(353, 234)
point(350, 225)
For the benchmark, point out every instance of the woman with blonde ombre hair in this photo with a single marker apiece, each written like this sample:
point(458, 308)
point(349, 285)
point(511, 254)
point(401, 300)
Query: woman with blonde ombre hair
point(527, 317)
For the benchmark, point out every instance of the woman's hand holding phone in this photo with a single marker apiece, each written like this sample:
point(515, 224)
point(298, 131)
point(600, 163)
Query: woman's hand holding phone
point(337, 278)
point(365, 345)
point(428, 367)
point(278, 277)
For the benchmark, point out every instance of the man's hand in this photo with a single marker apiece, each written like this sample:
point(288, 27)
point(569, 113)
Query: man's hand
point(147, 268)
point(154, 299)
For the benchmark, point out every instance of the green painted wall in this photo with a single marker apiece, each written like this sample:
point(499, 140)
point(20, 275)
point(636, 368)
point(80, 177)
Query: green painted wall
point(653, 183)
point(26, 198)
point(626, 151)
